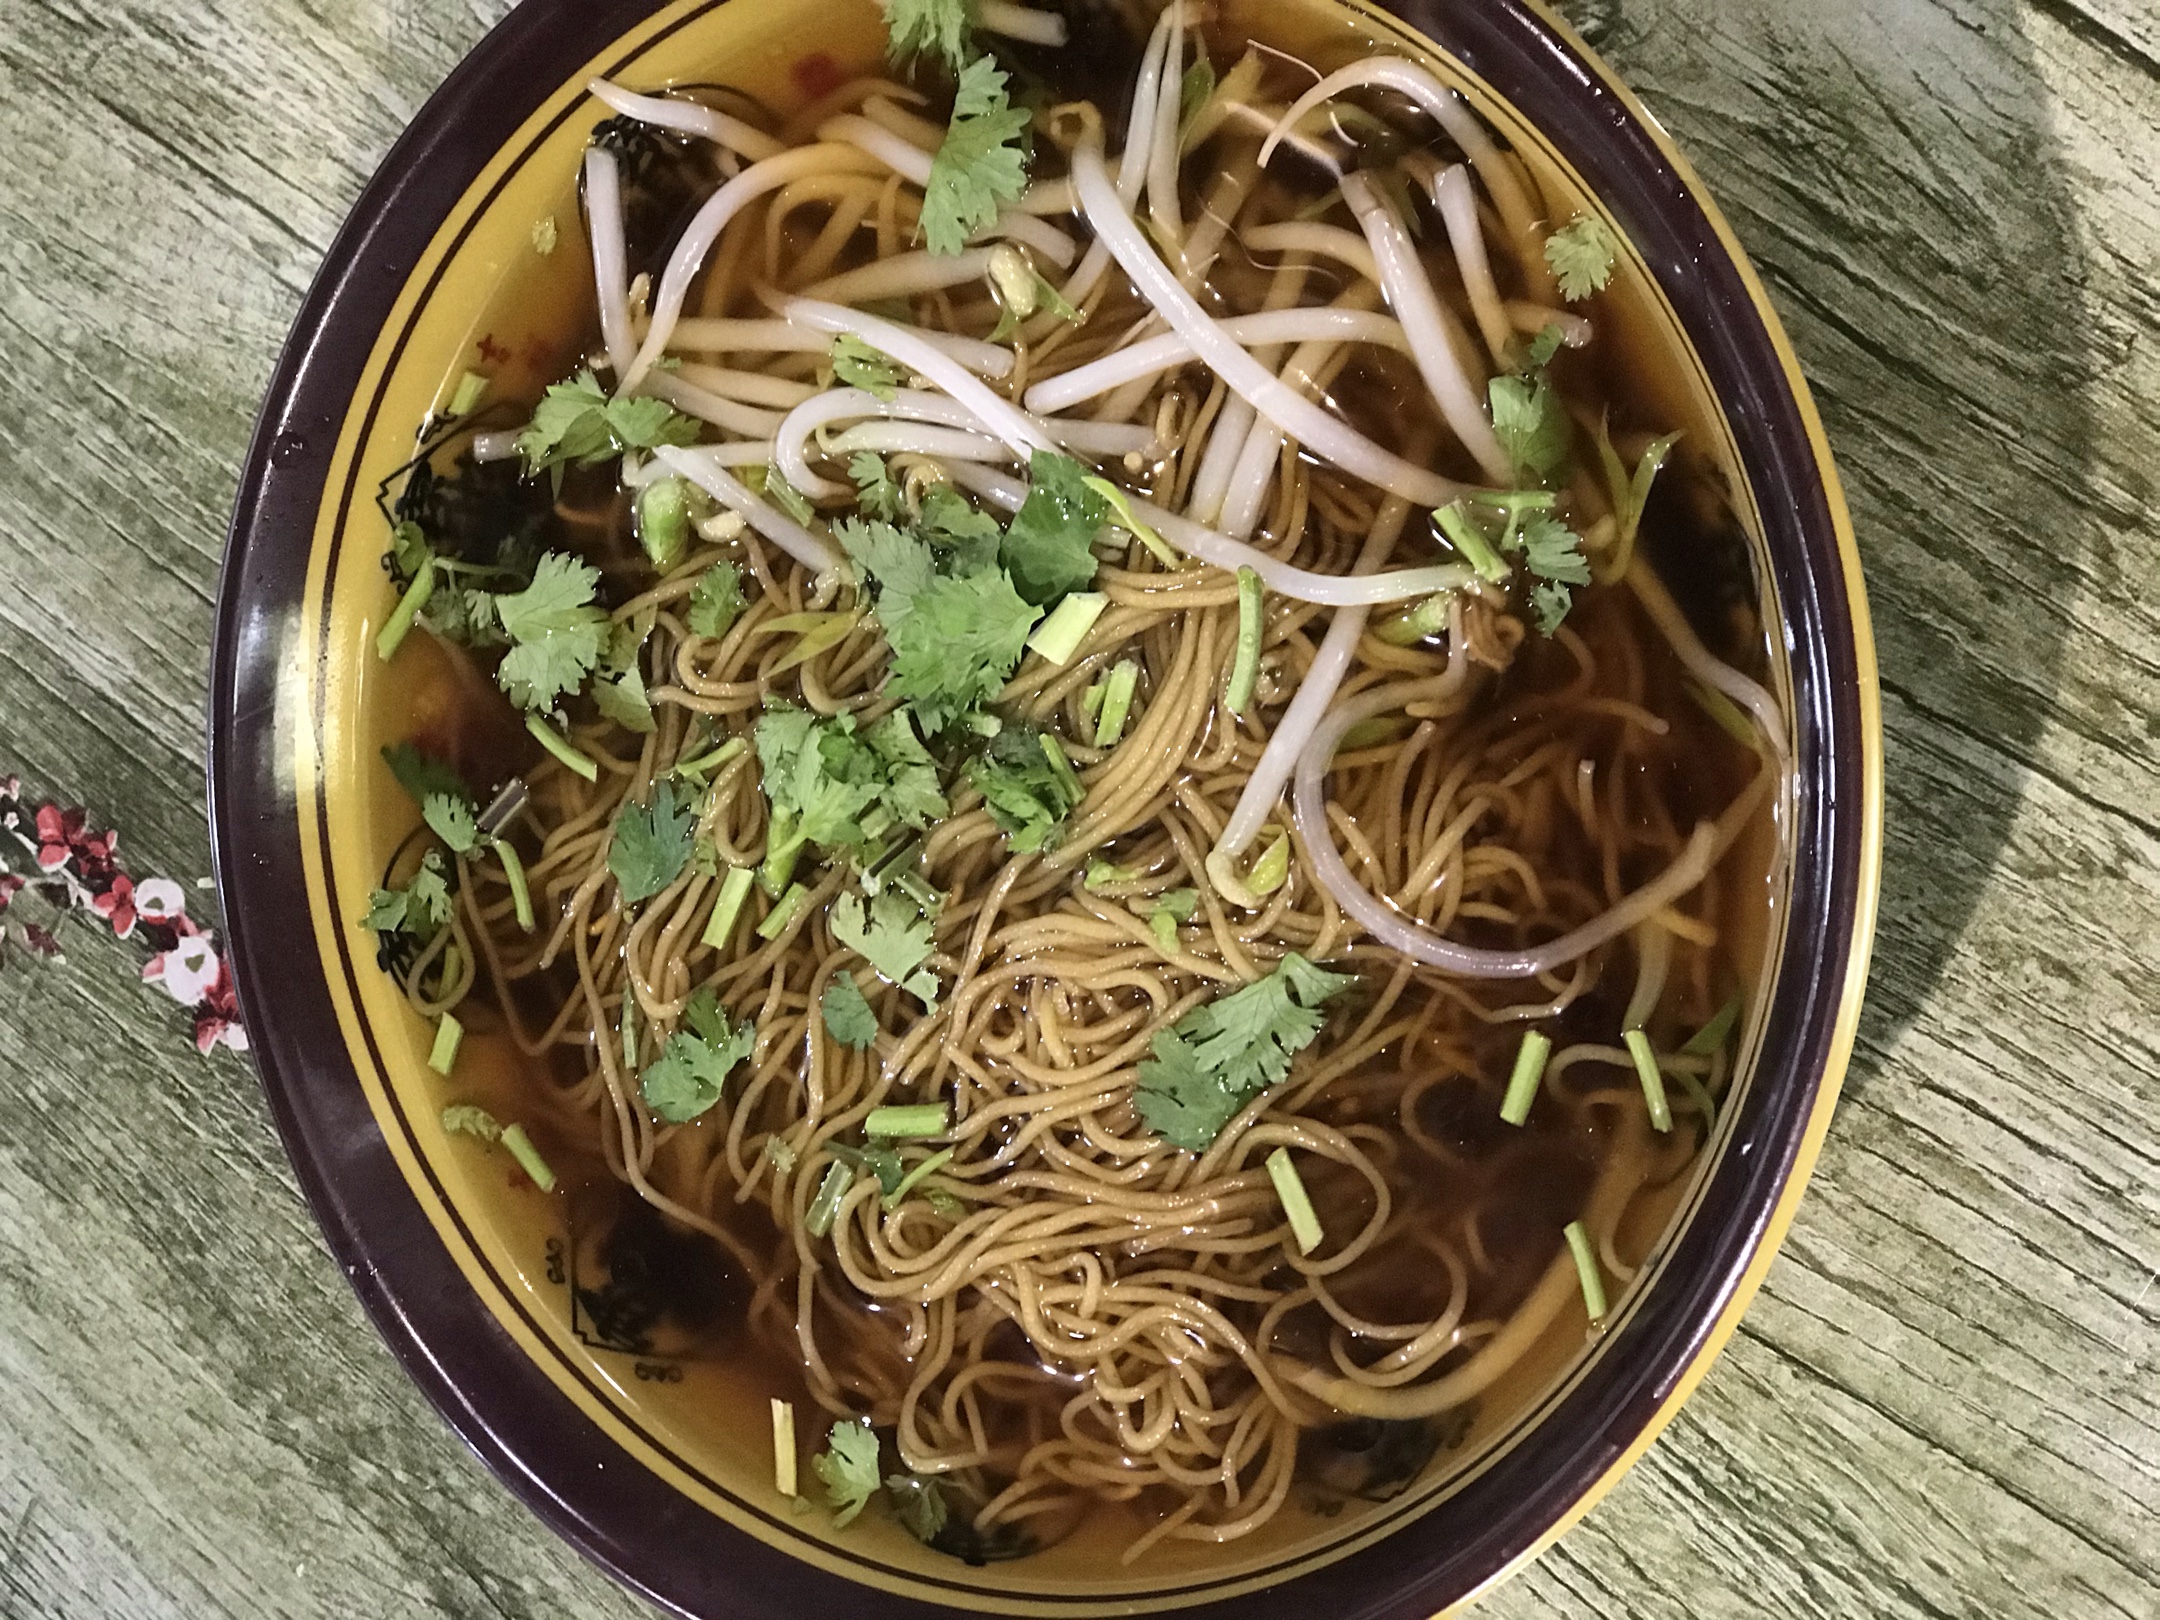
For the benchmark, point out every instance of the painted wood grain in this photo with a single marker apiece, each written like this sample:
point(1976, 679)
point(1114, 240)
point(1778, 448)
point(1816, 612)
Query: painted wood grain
point(1944, 1403)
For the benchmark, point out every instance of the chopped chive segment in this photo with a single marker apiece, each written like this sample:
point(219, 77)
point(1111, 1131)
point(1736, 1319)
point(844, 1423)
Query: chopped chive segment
point(471, 390)
point(784, 912)
point(1251, 621)
point(554, 742)
point(734, 890)
point(449, 1033)
point(1653, 1080)
point(629, 1034)
point(1725, 712)
point(1130, 521)
point(1296, 1202)
point(1059, 636)
point(1272, 870)
point(663, 521)
point(528, 1157)
point(1426, 619)
point(1100, 872)
point(711, 760)
point(514, 875)
point(914, 1178)
point(1711, 1036)
point(783, 1446)
point(818, 1219)
point(1465, 536)
point(907, 1122)
point(1529, 1070)
point(1117, 689)
point(392, 635)
point(1586, 1267)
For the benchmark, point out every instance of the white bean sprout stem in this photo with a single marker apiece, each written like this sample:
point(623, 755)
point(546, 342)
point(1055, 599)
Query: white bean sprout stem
point(690, 118)
point(1157, 354)
point(813, 551)
point(702, 334)
point(1324, 434)
point(1020, 22)
point(603, 214)
point(1451, 194)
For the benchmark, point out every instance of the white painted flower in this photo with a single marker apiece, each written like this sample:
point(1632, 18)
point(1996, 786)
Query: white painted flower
point(187, 971)
point(160, 900)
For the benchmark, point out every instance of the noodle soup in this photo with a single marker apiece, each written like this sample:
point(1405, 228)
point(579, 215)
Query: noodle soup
point(1093, 781)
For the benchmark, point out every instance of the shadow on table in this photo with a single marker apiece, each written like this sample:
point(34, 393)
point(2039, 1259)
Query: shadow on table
point(1890, 167)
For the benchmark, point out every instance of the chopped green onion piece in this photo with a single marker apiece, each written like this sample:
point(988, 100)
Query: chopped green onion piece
point(471, 390)
point(1712, 1035)
point(1100, 871)
point(734, 890)
point(663, 520)
point(629, 1034)
point(1466, 537)
point(1130, 521)
point(1653, 1081)
point(448, 1034)
point(910, 1122)
point(784, 912)
point(392, 635)
point(783, 1446)
point(555, 743)
point(1117, 689)
point(1251, 621)
point(528, 1157)
point(908, 1183)
point(1381, 728)
point(1725, 712)
point(1054, 752)
point(818, 1219)
point(1420, 622)
point(1272, 870)
point(1059, 636)
point(1700, 1094)
point(711, 760)
point(1529, 1070)
point(1586, 1267)
point(1296, 1202)
point(514, 875)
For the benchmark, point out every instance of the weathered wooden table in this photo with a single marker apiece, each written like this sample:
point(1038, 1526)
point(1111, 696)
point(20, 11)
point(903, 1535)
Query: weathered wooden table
point(1943, 1404)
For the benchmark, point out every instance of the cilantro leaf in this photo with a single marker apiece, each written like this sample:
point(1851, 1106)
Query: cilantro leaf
point(421, 775)
point(451, 815)
point(691, 1072)
point(900, 565)
point(418, 909)
point(1220, 1056)
point(1581, 255)
point(919, 1501)
point(576, 423)
point(849, 1017)
point(969, 538)
point(1553, 550)
point(1027, 785)
point(556, 631)
point(930, 28)
point(831, 785)
point(618, 687)
point(1047, 548)
point(857, 364)
point(651, 845)
point(1532, 425)
point(982, 162)
point(1551, 603)
point(958, 643)
point(893, 936)
point(849, 1467)
point(1544, 346)
point(718, 600)
point(876, 493)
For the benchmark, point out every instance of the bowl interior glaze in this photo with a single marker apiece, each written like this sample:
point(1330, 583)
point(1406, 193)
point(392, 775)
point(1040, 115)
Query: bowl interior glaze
point(652, 1458)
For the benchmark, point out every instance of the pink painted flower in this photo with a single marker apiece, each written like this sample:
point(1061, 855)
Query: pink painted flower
point(117, 905)
point(10, 887)
point(52, 839)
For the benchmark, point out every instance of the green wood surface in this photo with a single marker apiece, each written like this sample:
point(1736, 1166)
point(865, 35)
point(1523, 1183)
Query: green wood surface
point(1944, 1402)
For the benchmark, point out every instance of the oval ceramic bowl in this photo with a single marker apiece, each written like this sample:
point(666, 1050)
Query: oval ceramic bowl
point(474, 1277)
